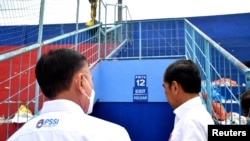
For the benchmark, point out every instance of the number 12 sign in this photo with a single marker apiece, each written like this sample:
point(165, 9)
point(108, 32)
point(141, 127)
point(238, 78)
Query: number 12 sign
point(140, 90)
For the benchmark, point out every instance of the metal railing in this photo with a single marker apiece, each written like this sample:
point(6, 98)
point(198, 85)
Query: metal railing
point(18, 86)
point(224, 76)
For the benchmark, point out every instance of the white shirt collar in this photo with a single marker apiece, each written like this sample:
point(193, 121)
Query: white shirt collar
point(185, 107)
point(60, 105)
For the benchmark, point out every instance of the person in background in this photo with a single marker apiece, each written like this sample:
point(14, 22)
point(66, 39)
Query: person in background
point(245, 100)
point(245, 105)
point(65, 79)
point(247, 63)
point(182, 84)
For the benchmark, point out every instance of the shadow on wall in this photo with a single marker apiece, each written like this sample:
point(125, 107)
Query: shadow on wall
point(144, 121)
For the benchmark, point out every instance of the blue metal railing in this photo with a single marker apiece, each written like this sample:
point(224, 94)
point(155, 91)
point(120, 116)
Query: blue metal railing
point(219, 69)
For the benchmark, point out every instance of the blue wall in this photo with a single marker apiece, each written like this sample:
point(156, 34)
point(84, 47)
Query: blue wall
point(115, 80)
point(28, 34)
point(232, 32)
point(151, 121)
point(115, 84)
point(224, 26)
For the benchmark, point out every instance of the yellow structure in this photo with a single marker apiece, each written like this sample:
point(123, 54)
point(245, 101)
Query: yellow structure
point(93, 4)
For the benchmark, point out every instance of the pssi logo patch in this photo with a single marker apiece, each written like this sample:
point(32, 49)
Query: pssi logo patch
point(47, 123)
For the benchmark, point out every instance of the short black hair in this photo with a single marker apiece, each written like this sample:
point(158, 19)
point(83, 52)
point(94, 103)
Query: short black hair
point(54, 70)
point(186, 73)
point(245, 102)
point(247, 63)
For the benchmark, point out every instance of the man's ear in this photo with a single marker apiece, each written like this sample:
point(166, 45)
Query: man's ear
point(79, 82)
point(175, 87)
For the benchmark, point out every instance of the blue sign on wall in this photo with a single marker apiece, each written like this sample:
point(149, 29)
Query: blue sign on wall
point(140, 90)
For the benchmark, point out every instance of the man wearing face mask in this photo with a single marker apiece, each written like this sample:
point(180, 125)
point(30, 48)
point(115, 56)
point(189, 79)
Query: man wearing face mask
point(65, 79)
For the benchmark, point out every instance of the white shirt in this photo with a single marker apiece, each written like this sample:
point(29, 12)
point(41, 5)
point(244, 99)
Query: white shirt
point(191, 122)
point(63, 120)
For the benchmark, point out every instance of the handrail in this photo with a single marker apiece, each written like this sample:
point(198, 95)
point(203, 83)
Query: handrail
point(229, 56)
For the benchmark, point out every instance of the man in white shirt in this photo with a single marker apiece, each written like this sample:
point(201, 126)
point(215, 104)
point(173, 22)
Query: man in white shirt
point(65, 79)
point(182, 84)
